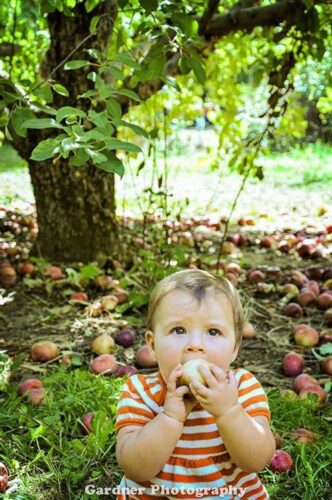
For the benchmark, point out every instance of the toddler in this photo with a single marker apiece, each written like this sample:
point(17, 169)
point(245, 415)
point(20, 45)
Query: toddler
point(203, 440)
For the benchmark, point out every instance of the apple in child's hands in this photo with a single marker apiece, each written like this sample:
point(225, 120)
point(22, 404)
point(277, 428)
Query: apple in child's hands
point(190, 371)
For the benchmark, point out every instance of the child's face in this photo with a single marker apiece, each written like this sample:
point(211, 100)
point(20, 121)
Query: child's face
point(186, 329)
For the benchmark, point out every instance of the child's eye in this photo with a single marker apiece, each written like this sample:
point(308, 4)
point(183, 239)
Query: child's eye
point(179, 330)
point(214, 332)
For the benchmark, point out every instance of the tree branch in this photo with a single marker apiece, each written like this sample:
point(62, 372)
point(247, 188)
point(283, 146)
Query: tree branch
point(249, 18)
point(209, 12)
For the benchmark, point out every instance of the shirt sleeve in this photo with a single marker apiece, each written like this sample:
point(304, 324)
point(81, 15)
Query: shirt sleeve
point(135, 406)
point(252, 396)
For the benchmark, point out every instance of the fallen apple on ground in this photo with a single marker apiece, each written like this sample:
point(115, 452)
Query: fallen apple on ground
point(3, 478)
point(28, 385)
point(44, 350)
point(281, 461)
point(144, 359)
point(103, 344)
point(292, 364)
point(105, 364)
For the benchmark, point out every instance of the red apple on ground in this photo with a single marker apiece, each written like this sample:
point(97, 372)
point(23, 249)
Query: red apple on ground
point(144, 359)
point(125, 370)
point(303, 380)
point(324, 300)
point(325, 336)
point(125, 337)
point(3, 478)
point(293, 310)
point(326, 365)
point(307, 338)
point(7, 275)
point(281, 461)
point(35, 396)
point(314, 389)
point(54, 273)
point(328, 316)
point(121, 295)
point(299, 278)
point(105, 364)
point(303, 435)
point(233, 267)
point(25, 268)
point(190, 370)
point(306, 297)
point(103, 344)
point(267, 242)
point(255, 276)
point(79, 297)
point(292, 364)
point(86, 421)
point(29, 384)
point(44, 351)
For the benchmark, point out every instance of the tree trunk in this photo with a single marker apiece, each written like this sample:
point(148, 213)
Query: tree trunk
point(75, 205)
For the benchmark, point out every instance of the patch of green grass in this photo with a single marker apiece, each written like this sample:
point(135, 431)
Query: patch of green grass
point(307, 167)
point(45, 448)
point(311, 475)
point(10, 159)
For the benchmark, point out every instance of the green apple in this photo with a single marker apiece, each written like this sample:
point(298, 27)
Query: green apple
point(190, 370)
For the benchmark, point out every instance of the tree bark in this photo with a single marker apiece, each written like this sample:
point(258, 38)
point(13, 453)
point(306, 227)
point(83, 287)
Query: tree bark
point(75, 205)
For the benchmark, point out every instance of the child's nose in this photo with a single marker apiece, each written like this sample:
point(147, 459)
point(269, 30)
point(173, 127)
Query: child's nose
point(195, 342)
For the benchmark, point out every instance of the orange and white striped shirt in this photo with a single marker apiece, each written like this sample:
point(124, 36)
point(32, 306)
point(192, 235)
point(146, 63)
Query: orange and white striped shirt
point(200, 466)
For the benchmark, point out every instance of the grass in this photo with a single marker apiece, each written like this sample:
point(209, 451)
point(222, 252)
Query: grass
point(45, 447)
point(300, 180)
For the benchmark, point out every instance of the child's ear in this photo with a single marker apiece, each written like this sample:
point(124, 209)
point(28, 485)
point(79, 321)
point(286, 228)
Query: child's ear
point(149, 339)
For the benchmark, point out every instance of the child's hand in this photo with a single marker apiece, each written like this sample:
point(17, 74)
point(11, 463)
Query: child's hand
point(175, 405)
point(220, 395)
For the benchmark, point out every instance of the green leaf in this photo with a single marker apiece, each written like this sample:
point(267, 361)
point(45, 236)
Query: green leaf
point(326, 349)
point(129, 93)
point(114, 70)
point(94, 24)
point(198, 70)
point(91, 4)
point(112, 143)
point(68, 144)
point(41, 123)
point(75, 64)
point(60, 89)
point(45, 149)
point(113, 164)
point(187, 24)
point(19, 116)
point(69, 111)
point(136, 128)
point(96, 157)
point(99, 119)
point(114, 109)
point(80, 158)
point(149, 5)
point(127, 59)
